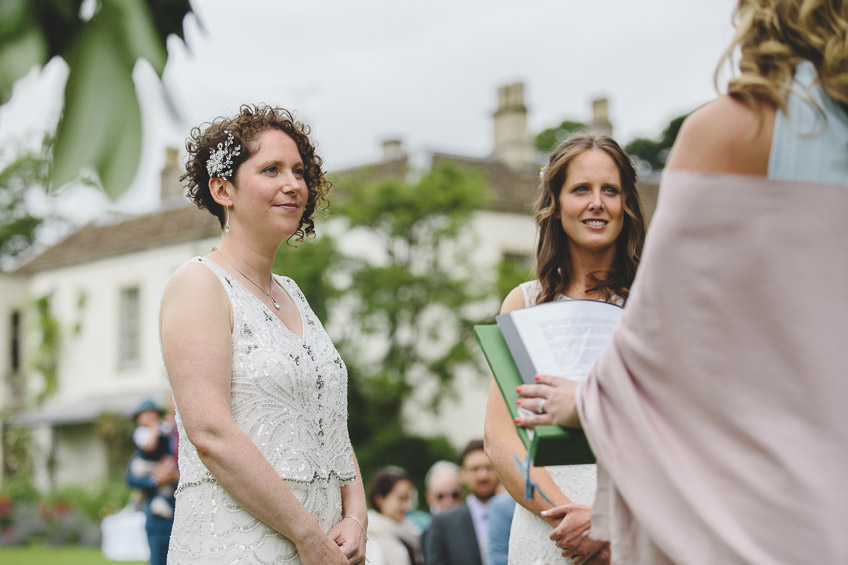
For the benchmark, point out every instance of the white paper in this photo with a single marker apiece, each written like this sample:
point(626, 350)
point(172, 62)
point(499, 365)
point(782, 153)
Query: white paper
point(561, 339)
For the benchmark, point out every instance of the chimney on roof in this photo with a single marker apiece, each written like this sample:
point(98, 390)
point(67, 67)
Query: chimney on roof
point(512, 141)
point(393, 149)
point(600, 124)
point(171, 190)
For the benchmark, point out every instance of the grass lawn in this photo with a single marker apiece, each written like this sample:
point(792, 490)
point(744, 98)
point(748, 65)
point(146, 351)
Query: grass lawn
point(57, 556)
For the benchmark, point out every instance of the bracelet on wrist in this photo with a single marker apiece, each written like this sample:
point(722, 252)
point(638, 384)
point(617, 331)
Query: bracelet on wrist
point(355, 519)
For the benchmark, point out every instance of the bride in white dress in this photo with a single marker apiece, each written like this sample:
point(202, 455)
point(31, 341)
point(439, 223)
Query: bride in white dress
point(591, 230)
point(267, 473)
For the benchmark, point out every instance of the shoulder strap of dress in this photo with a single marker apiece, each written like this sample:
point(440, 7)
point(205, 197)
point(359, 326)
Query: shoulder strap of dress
point(223, 276)
point(530, 289)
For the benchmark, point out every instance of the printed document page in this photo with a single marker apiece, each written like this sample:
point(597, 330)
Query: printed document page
point(561, 338)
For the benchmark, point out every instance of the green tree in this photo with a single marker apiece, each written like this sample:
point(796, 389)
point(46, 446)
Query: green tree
point(100, 127)
point(655, 152)
point(548, 139)
point(414, 297)
point(18, 225)
point(408, 298)
point(512, 271)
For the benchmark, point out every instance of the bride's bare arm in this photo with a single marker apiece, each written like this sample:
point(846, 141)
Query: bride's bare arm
point(196, 334)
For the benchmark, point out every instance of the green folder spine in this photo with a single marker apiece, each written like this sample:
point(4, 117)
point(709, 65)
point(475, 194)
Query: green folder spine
point(551, 445)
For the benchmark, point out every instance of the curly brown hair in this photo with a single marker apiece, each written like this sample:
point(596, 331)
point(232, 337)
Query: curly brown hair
point(245, 127)
point(773, 36)
point(553, 260)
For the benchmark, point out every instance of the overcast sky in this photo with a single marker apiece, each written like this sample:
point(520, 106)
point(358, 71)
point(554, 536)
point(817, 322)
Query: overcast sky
point(425, 72)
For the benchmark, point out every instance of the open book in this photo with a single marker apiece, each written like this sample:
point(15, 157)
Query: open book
point(556, 338)
point(561, 339)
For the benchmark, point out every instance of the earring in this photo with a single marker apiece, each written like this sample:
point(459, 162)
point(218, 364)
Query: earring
point(227, 219)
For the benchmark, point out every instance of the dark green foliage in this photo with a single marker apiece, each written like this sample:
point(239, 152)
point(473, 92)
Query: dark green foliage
point(548, 139)
point(655, 153)
point(46, 359)
point(391, 446)
point(116, 432)
point(17, 453)
point(512, 271)
point(69, 515)
point(18, 225)
point(101, 123)
point(311, 263)
point(416, 297)
point(93, 503)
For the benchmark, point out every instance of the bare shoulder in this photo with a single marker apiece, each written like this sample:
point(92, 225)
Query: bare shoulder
point(724, 136)
point(191, 282)
point(194, 295)
point(513, 301)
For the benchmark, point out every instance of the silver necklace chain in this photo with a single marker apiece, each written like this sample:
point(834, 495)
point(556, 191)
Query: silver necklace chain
point(268, 294)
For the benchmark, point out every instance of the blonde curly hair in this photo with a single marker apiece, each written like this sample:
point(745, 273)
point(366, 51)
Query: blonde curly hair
point(773, 36)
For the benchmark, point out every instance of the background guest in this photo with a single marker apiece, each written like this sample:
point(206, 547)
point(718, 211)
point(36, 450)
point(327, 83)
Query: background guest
point(153, 470)
point(443, 488)
point(459, 536)
point(501, 511)
point(390, 497)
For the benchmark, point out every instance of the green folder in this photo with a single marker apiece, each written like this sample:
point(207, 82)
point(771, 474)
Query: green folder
point(551, 445)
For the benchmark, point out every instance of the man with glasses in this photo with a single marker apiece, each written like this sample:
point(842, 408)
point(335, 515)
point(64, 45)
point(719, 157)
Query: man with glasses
point(459, 536)
point(443, 490)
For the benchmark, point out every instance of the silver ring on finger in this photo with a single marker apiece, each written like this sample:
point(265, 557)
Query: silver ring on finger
point(541, 408)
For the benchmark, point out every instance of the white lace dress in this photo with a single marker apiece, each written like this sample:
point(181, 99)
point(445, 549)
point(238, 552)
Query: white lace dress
point(529, 541)
point(289, 395)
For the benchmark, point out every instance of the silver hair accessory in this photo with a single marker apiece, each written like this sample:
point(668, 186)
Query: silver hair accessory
point(220, 162)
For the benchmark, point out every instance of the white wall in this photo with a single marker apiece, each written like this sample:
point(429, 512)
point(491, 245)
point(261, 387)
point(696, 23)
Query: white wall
point(89, 359)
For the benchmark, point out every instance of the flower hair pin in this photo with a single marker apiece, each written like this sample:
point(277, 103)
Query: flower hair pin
point(220, 163)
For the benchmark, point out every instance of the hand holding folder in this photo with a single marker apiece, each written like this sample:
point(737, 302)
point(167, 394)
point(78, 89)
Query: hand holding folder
point(557, 338)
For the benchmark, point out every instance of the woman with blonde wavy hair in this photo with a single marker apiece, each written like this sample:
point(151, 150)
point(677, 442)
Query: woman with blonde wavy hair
point(716, 414)
point(591, 230)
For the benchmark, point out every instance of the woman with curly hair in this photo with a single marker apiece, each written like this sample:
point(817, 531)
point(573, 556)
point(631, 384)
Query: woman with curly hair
point(717, 413)
point(267, 472)
point(591, 230)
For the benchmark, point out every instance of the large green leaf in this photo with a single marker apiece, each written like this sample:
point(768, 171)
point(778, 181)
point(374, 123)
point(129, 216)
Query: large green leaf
point(22, 44)
point(18, 56)
point(136, 30)
point(101, 123)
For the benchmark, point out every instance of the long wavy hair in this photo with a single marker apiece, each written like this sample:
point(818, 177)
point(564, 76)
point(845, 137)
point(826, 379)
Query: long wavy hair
point(773, 36)
point(553, 259)
point(250, 122)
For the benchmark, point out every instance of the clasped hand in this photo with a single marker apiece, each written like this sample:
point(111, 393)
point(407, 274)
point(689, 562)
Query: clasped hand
point(572, 535)
point(555, 395)
point(350, 537)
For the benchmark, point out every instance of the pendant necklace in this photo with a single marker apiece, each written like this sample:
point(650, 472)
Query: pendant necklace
point(268, 294)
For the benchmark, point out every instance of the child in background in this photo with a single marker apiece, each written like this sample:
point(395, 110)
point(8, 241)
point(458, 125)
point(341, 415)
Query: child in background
point(152, 438)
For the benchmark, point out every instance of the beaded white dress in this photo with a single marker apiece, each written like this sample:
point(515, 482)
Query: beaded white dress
point(289, 395)
point(529, 535)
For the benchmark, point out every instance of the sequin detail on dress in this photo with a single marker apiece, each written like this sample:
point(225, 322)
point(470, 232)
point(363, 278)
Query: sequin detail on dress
point(289, 396)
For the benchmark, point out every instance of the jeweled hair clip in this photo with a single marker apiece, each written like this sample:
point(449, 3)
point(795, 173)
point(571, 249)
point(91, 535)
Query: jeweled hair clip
point(220, 162)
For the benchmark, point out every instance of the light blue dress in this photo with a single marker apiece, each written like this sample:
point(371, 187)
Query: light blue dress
point(809, 144)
